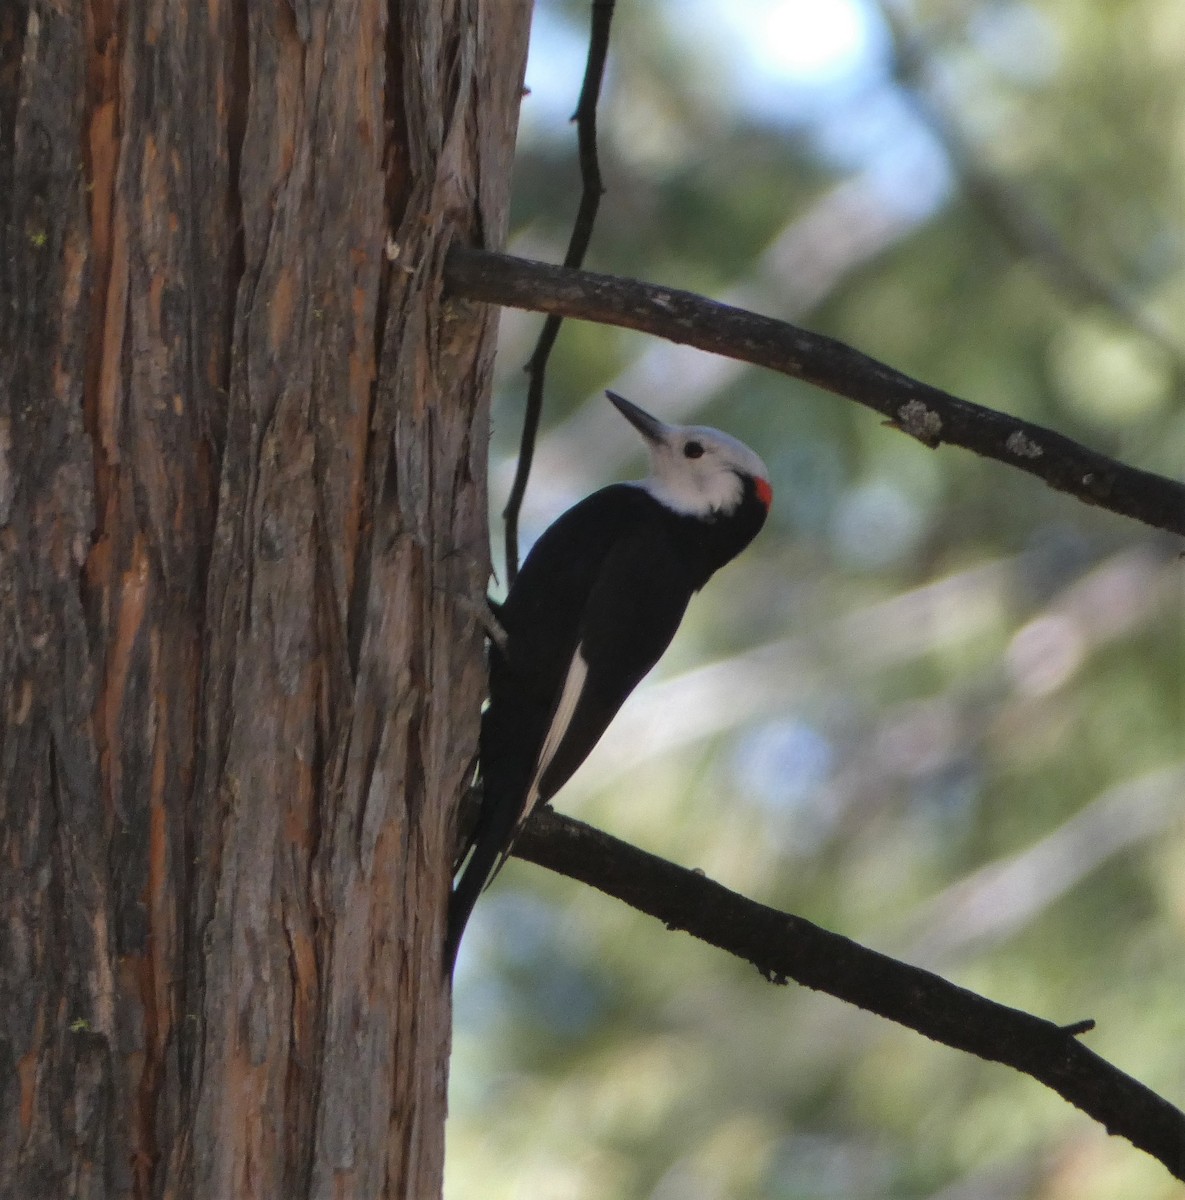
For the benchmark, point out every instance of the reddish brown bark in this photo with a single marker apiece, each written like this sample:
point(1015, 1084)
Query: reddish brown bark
point(242, 516)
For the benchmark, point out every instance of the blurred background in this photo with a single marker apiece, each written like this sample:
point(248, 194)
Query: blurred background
point(936, 707)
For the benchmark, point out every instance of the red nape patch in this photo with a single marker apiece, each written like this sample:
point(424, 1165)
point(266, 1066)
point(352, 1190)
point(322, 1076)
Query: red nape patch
point(764, 492)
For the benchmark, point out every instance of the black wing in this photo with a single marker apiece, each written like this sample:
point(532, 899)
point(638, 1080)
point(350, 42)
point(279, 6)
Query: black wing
point(634, 609)
point(596, 604)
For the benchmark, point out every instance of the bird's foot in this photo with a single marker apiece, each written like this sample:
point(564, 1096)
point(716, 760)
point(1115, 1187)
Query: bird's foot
point(485, 613)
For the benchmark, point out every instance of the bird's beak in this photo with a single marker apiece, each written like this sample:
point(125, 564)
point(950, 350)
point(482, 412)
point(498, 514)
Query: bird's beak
point(652, 429)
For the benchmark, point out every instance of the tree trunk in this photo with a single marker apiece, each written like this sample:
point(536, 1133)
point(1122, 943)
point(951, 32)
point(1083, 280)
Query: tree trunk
point(242, 527)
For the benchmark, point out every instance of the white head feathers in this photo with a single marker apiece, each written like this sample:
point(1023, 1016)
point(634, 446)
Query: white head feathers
point(695, 470)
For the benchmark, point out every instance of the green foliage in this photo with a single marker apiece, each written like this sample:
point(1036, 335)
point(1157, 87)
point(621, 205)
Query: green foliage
point(936, 707)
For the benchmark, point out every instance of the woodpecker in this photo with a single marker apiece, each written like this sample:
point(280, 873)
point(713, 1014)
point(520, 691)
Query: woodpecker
point(596, 603)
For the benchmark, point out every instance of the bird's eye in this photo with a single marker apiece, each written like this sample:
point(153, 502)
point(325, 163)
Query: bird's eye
point(693, 450)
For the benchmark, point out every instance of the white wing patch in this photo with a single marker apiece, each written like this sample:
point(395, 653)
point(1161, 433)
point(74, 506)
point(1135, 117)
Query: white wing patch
point(564, 711)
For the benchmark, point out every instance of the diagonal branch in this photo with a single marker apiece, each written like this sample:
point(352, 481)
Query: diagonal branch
point(592, 190)
point(926, 413)
point(784, 947)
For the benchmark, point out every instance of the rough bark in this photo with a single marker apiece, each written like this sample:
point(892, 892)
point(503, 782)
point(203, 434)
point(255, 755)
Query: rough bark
point(242, 520)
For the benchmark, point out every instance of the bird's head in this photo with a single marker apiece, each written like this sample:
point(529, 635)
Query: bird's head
point(694, 470)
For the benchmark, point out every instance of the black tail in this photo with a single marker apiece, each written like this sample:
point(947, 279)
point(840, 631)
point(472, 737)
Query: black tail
point(464, 897)
point(511, 734)
point(491, 839)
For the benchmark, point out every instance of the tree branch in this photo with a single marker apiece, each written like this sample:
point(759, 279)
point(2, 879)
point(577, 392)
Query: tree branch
point(926, 413)
point(784, 947)
point(592, 190)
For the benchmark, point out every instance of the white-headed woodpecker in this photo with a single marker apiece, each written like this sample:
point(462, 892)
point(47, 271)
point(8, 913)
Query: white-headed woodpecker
point(596, 603)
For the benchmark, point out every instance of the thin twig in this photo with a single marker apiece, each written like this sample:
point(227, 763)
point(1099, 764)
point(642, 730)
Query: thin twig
point(784, 947)
point(926, 413)
point(585, 117)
